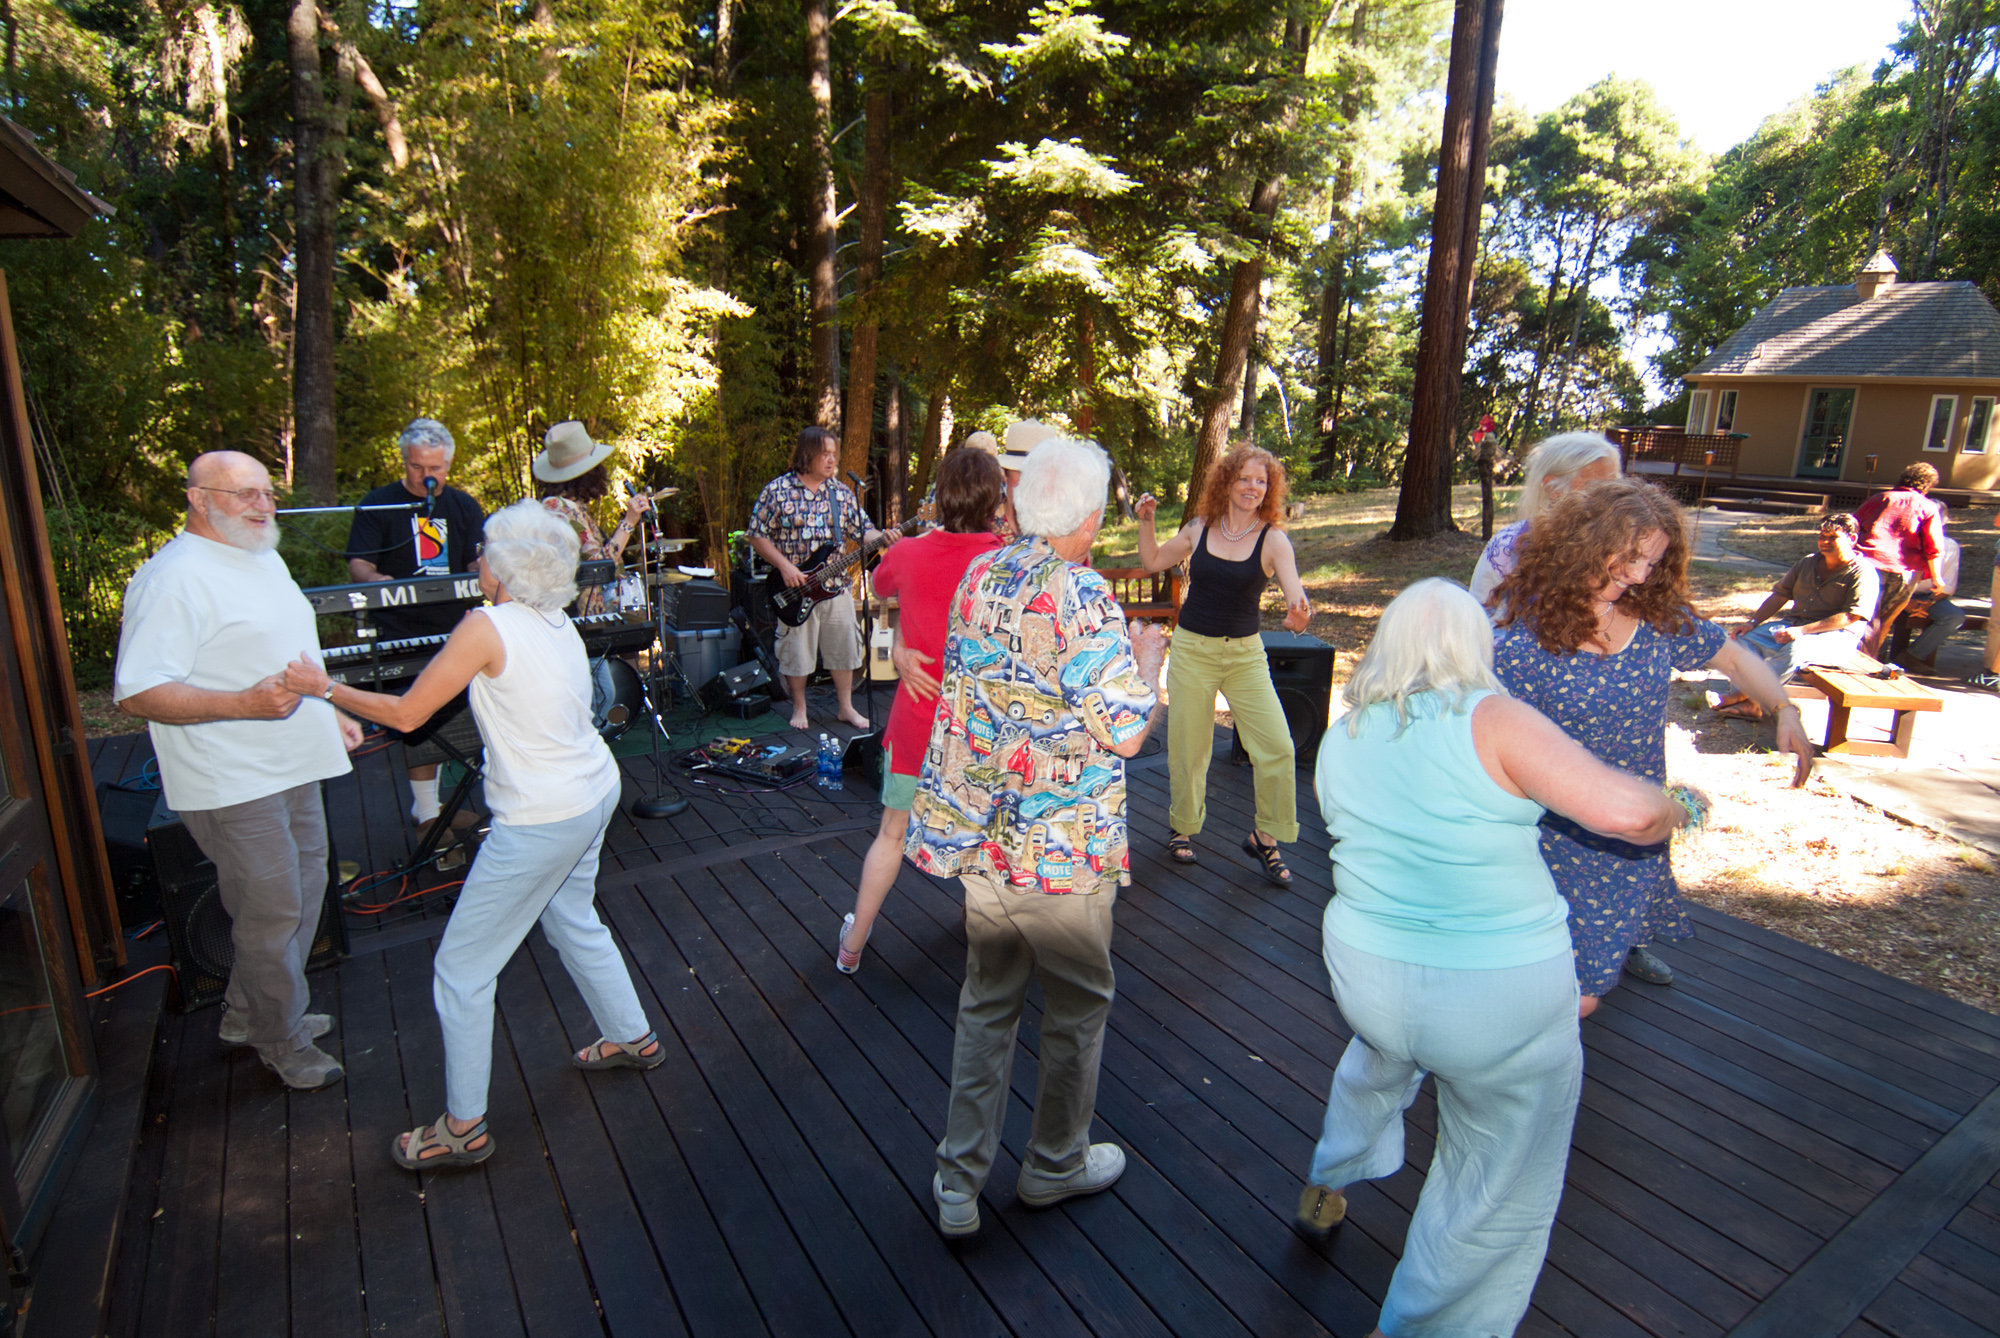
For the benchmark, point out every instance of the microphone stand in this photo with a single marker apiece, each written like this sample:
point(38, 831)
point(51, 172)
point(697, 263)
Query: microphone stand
point(868, 744)
point(650, 687)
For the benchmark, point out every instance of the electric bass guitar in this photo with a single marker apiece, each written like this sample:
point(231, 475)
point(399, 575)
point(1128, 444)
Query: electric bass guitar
point(793, 604)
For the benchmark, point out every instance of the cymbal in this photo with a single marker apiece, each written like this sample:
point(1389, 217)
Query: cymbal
point(668, 578)
point(661, 547)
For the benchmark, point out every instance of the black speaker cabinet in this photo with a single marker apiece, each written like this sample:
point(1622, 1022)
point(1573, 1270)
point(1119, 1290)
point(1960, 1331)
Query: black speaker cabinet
point(701, 605)
point(197, 926)
point(1302, 672)
point(127, 813)
point(742, 683)
point(452, 725)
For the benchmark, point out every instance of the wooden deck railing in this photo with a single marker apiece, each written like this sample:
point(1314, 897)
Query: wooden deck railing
point(1684, 451)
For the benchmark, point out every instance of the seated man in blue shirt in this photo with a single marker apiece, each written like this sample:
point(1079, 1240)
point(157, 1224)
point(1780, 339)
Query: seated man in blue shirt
point(1832, 594)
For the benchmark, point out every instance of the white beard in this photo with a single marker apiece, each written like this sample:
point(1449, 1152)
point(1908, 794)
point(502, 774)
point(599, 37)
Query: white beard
point(240, 533)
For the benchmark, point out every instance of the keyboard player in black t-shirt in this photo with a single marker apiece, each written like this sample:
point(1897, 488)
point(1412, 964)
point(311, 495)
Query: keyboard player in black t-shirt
point(429, 540)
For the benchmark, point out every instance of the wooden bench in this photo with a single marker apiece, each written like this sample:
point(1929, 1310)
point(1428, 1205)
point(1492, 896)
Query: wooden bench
point(1144, 594)
point(1846, 692)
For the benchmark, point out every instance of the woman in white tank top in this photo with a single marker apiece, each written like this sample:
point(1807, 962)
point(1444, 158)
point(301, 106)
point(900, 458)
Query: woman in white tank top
point(552, 787)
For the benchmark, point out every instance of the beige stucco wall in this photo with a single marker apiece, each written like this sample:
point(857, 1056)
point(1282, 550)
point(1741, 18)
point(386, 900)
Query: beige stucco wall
point(1890, 421)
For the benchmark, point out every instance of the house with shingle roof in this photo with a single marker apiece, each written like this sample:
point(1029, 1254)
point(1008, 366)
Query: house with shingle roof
point(1825, 377)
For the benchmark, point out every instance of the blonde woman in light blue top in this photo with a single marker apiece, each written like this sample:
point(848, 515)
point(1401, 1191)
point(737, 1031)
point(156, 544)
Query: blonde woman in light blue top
point(1449, 954)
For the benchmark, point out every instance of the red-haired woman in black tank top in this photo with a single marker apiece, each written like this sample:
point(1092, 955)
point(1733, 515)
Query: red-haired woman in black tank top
point(1234, 546)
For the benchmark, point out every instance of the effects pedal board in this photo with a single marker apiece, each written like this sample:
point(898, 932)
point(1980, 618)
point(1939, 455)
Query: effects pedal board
point(747, 760)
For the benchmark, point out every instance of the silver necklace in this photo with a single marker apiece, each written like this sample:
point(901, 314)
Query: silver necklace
point(1236, 536)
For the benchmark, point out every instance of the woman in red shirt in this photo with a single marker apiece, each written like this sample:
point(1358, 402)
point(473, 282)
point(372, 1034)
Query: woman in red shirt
point(923, 574)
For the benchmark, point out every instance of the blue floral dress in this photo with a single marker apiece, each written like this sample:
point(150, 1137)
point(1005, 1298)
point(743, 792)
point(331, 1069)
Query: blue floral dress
point(1615, 705)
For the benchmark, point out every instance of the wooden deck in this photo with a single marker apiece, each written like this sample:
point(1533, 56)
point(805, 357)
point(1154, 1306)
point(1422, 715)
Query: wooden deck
point(1783, 1143)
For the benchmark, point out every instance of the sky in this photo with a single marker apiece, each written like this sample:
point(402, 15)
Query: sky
point(1721, 66)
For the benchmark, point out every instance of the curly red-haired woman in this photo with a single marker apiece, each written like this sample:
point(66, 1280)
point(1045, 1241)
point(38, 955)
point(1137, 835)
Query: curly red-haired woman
point(1233, 546)
point(1593, 621)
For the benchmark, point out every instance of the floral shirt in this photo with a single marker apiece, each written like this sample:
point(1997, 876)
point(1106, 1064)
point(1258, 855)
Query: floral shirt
point(799, 519)
point(1039, 686)
point(591, 544)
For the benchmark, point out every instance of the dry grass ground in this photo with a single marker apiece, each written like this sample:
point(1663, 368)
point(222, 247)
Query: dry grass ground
point(1813, 864)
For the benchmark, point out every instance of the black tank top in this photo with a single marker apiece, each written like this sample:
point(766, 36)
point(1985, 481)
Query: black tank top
point(1223, 596)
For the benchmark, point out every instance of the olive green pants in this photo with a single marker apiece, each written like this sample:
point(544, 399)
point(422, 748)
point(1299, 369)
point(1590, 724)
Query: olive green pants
point(1199, 667)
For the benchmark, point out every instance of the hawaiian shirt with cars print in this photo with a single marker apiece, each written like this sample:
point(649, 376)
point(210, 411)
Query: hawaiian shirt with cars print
point(1039, 685)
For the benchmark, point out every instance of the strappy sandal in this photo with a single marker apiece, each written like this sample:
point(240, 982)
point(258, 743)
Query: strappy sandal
point(1179, 849)
point(629, 1055)
point(1268, 856)
point(847, 962)
point(439, 1135)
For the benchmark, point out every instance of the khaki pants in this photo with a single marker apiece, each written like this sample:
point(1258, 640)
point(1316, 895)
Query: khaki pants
point(1009, 938)
point(1235, 666)
point(270, 872)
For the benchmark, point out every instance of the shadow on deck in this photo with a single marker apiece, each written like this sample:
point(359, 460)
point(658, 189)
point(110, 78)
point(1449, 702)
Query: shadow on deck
point(1779, 1143)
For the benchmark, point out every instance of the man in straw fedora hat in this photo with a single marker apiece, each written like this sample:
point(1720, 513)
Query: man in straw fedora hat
point(440, 534)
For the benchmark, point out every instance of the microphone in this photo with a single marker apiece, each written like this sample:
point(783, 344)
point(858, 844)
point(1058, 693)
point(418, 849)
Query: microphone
point(430, 494)
point(861, 485)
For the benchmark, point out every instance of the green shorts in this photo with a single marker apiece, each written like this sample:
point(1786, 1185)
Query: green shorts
point(897, 791)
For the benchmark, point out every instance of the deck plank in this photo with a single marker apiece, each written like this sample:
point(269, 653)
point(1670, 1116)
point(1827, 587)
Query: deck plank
point(772, 1177)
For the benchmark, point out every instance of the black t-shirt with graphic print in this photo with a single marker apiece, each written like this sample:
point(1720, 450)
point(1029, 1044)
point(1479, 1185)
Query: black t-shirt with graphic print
point(406, 543)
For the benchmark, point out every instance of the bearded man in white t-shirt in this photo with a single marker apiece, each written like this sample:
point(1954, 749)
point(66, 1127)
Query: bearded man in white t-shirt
point(211, 620)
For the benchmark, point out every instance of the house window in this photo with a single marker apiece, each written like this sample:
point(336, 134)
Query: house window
point(1944, 408)
point(1979, 425)
point(1725, 411)
point(1698, 412)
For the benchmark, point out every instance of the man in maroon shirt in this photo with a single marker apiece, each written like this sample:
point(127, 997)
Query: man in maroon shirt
point(1900, 530)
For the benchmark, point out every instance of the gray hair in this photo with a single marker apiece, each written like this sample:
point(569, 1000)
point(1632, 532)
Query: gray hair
point(533, 552)
point(426, 432)
point(1433, 637)
point(1063, 484)
point(1553, 462)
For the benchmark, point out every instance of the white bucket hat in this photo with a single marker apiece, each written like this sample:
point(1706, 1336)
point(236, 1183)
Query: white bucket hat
point(568, 451)
point(1023, 437)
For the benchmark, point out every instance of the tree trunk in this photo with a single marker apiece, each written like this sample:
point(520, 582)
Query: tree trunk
point(896, 458)
point(1424, 507)
point(1246, 287)
point(1579, 292)
point(821, 246)
point(313, 206)
point(1086, 339)
point(1239, 323)
point(1246, 423)
point(876, 184)
point(935, 412)
point(1329, 375)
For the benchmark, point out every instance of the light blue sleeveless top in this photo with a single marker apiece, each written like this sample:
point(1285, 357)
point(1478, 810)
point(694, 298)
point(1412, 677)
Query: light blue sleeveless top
point(1433, 863)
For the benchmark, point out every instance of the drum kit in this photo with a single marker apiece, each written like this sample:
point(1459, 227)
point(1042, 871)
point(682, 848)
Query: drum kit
point(620, 694)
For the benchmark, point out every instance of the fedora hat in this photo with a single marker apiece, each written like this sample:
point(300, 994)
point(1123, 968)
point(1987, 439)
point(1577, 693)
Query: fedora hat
point(568, 451)
point(1023, 437)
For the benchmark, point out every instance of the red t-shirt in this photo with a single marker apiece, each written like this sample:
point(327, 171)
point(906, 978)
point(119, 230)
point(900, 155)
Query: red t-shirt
point(923, 574)
point(1899, 530)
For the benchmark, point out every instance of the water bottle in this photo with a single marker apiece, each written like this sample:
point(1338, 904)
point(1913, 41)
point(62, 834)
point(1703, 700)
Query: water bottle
point(829, 762)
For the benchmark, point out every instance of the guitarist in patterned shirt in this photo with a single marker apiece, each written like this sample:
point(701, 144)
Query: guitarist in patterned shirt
point(797, 512)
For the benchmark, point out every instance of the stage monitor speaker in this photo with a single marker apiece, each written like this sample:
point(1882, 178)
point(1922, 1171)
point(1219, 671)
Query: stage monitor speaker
point(1302, 672)
point(452, 724)
point(731, 685)
point(198, 930)
point(126, 813)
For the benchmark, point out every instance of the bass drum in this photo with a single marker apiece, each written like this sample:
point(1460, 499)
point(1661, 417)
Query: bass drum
point(616, 697)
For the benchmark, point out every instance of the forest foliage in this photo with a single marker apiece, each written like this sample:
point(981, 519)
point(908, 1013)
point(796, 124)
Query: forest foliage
point(624, 211)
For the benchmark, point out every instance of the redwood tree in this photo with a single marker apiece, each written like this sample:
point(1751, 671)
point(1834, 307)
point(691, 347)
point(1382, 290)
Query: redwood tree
point(1424, 508)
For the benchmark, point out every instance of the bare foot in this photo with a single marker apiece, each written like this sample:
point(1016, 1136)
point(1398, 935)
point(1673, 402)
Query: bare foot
point(799, 718)
point(854, 718)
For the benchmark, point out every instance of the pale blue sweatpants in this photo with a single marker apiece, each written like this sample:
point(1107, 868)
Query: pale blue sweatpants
point(545, 872)
point(1509, 1065)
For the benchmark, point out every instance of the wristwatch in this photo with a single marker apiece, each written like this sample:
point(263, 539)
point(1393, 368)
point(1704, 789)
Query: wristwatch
point(328, 694)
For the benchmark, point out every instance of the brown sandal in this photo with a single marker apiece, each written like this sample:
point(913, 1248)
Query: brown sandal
point(1180, 849)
